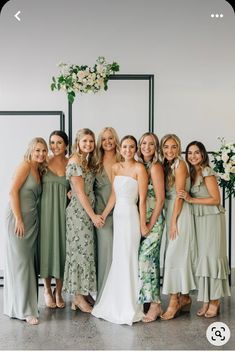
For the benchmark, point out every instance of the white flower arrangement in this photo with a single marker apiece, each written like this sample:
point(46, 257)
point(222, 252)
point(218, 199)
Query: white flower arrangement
point(224, 166)
point(83, 79)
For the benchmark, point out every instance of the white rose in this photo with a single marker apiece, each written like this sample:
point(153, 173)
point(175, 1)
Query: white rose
point(225, 177)
point(80, 75)
point(225, 157)
point(99, 68)
point(232, 170)
point(218, 157)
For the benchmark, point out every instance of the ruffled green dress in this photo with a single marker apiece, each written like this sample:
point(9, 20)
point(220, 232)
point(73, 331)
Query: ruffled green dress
point(20, 284)
point(80, 269)
point(149, 255)
point(104, 235)
point(52, 225)
point(212, 266)
point(181, 253)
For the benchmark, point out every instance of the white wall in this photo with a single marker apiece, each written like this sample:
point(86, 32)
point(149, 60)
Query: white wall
point(191, 55)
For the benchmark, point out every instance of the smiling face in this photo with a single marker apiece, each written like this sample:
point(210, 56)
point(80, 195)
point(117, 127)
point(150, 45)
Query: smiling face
point(148, 148)
point(194, 155)
point(108, 142)
point(86, 144)
point(39, 153)
point(170, 149)
point(128, 149)
point(57, 145)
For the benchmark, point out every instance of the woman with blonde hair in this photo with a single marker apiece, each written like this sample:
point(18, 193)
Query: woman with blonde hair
point(80, 269)
point(20, 283)
point(107, 155)
point(149, 251)
point(181, 250)
point(212, 266)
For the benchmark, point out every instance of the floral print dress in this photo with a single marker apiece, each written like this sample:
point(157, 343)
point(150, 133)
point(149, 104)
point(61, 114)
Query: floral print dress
point(80, 270)
point(149, 255)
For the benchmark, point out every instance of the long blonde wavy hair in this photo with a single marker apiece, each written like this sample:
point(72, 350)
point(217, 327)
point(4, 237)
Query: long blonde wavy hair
point(155, 157)
point(100, 150)
point(169, 167)
point(28, 154)
point(87, 162)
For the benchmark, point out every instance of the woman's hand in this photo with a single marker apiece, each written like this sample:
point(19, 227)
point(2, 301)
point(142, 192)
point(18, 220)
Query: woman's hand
point(98, 220)
point(19, 228)
point(69, 194)
point(184, 195)
point(144, 230)
point(173, 231)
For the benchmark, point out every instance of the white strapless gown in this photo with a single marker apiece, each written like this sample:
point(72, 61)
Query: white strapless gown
point(118, 302)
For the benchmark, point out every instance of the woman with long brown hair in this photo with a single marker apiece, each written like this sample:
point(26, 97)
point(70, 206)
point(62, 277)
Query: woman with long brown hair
point(212, 265)
point(52, 219)
point(119, 300)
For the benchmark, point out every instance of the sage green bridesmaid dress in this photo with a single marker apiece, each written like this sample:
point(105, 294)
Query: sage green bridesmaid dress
point(104, 235)
point(52, 225)
point(212, 266)
point(181, 253)
point(20, 284)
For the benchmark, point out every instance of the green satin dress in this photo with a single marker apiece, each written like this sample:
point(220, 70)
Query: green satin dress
point(104, 235)
point(181, 253)
point(52, 225)
point(212, 266)
point(20, 284)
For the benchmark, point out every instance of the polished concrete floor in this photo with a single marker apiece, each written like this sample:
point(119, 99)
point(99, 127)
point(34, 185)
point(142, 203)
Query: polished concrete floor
point(64, 329)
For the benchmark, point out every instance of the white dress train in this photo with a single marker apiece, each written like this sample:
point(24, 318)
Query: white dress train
point(118, 302)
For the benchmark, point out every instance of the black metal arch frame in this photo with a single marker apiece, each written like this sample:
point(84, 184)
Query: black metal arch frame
point(124, 77)
point(36, 113)
point(40, 113)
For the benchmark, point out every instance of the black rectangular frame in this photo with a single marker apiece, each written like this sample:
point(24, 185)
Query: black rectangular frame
point(123, 77)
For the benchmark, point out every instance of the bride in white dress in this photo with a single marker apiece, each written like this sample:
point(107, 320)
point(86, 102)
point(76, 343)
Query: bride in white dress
point(118, 302)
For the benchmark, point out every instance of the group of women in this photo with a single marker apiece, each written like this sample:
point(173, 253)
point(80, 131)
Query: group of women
point(100, 216)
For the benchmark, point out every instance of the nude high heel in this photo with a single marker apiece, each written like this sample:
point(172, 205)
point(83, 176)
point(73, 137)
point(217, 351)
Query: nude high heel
point(82, 305)
point(213, 310)
point(202, 311)
point(173, 309)
point(185, 303)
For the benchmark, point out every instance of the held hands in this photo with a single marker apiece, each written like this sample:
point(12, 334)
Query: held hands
point(19, 228)
point(145, 230)
point(184, 195)
point(98, 220)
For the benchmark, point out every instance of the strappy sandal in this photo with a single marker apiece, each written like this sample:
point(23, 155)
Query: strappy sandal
point(58, 299)
point(153, 313)
point(31, 320)
point(202, 311)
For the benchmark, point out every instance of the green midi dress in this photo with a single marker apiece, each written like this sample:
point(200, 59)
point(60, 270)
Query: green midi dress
point(80, 269)
point(52, 225)
point(212, 266)
point(181, 253)
point(20, 284)
point(104, 235)
point(149, 255)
